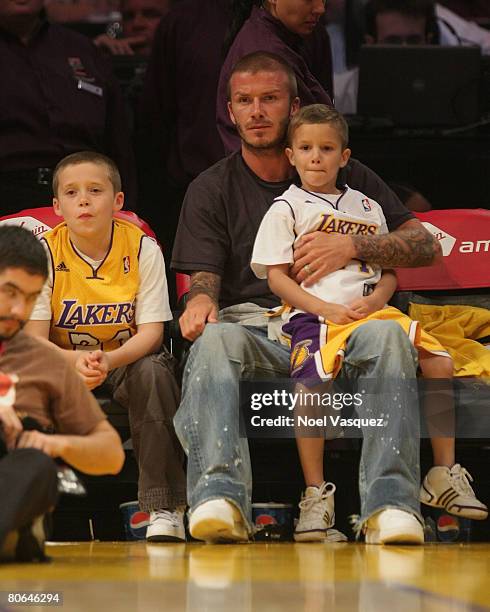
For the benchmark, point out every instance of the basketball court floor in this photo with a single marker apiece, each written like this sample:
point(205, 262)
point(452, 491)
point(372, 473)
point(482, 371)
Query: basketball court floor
point(282, 577)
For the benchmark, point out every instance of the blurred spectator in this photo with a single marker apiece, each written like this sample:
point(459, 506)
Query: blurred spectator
point(140, 19)
point(57, 97)
point(291, 29)
point(412, 22)
point(79, 11)
point(177, 137)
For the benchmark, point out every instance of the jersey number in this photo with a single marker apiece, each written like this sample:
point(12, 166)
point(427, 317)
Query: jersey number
point(87, 342)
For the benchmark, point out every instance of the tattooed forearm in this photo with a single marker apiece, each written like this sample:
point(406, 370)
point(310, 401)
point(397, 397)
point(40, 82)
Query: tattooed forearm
point(205, 283)
point(410, 246)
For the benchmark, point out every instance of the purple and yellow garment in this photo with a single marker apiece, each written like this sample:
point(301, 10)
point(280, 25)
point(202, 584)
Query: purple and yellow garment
point(318, 346)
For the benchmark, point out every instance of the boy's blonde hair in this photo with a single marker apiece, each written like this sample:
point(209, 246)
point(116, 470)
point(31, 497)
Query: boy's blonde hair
point(92, 157)
point(319, 114)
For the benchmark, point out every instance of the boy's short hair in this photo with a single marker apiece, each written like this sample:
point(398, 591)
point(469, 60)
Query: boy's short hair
point(20, 249)
point(264, 61)
point(319, 114)
point(92, 157)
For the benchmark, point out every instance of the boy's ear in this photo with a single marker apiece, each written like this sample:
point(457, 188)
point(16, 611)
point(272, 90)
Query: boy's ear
point(230, 112)
point(118, 201)
point(290, 155)
point(345, 157)
point(56, 207)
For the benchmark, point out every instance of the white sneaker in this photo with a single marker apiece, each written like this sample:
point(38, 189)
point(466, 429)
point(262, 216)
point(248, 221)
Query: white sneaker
point(317, 516)
point(393, 526)
point(166, 526)
point(450, 489)
point(217, 520)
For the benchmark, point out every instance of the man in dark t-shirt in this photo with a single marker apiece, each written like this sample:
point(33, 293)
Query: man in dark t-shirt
point(220, 217)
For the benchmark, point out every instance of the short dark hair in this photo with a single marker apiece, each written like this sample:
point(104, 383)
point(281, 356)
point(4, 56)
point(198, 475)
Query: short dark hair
point(263, 60)
point(319, 114)
point(92, 157)
point(410, 8)
point(20, 249)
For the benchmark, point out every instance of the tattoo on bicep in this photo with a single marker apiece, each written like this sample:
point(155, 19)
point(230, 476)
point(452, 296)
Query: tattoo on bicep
point(206, 283)
point(409, 247)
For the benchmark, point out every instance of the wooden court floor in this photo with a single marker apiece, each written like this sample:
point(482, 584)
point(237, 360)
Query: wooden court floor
point(278, 577)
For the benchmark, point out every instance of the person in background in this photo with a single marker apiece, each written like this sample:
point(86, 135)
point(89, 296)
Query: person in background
point(176, 135)
point(58, 96)
point(140, 19)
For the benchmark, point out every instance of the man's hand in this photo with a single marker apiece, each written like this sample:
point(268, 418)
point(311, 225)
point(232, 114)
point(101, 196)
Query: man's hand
point(51, 444)
point(11, 425)
point(119, 46)
point(318, 254)
point(199, 311)
point(366, 305)
point(93, 367)
point(336, 313)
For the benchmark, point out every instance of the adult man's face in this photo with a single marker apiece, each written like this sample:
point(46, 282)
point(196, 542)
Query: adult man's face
point(299, 16)
point(141, 18)
point(12, 9)
point(397, 29)
point(260, 106)
point(19, 291)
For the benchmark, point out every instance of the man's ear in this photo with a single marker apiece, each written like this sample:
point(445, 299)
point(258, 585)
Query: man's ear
point(56, 207)
point(290, 155)
point(294, 106)
point(344, 158)
point(118, 201)
point(230, 112)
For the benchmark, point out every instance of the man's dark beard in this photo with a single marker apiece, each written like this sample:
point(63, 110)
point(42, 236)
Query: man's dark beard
point(276, 145)
point(21, 325)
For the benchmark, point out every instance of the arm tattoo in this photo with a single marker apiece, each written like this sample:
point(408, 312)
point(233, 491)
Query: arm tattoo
point(206, 283)
point(408, 247)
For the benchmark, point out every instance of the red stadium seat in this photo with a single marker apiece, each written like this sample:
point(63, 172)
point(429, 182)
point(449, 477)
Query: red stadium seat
point(40, 220)
point(465, 239)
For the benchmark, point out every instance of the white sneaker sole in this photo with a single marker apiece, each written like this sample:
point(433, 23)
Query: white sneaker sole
point(329, 535)
point(159, 537)
point(395, 536)
point(208, 528)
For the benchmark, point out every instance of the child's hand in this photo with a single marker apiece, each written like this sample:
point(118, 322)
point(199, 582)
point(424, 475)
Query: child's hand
point(366, 305)
point(93, 368)
point(336, 313)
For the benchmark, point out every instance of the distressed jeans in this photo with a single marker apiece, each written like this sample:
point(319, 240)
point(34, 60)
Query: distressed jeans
point(207, 421)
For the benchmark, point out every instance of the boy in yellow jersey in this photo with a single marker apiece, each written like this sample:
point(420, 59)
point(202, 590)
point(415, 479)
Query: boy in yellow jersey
point(104, 304)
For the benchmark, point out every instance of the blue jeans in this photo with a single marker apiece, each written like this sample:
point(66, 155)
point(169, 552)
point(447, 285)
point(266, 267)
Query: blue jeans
point(207, 422)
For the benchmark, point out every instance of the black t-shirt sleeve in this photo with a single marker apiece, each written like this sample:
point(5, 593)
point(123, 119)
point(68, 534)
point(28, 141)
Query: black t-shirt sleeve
point(202, 243)
point(360, 177)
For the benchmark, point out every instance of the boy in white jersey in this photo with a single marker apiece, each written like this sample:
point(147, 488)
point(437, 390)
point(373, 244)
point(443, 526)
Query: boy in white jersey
point(323, 315)
point(105, 304)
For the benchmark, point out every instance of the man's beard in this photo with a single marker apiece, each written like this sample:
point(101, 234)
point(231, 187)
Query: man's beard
point(12, 334)
point(277, 144)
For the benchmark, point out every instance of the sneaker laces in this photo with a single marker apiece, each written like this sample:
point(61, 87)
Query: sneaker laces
point(460, 480)
point(312, 503)
point(174, 517)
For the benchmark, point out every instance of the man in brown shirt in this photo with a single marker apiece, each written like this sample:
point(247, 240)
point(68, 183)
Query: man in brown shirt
point(37, 382)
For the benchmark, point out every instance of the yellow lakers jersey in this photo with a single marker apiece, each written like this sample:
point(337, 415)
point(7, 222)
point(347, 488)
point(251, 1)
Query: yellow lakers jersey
point(93, 308)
